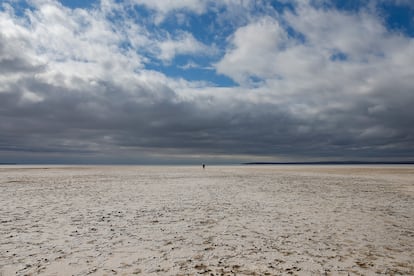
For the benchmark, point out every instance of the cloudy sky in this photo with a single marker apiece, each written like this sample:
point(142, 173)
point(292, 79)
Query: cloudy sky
point(190, 81)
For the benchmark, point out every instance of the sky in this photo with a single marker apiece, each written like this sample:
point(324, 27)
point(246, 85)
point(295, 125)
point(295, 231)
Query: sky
point(203, 81)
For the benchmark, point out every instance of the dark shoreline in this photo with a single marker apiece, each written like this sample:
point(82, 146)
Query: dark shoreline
point(332, 163)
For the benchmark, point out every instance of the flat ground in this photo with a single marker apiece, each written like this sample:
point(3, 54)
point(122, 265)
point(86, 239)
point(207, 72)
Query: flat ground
point(242, 220)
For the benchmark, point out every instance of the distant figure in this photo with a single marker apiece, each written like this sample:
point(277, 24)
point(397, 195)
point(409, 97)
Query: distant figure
point(204, 166)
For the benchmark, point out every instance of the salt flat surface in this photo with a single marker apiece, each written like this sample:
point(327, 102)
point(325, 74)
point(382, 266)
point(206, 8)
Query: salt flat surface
point(241, 220)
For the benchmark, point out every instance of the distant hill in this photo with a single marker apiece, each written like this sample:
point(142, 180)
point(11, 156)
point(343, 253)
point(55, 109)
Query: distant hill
point(333, 163)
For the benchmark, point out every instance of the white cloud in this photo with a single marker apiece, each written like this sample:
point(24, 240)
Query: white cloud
point(190, 65)
point(357, 35)
point(74, 43)
point(32, 97)
point(183, 43)
point(253, 48)
point(266, 50)
point(165, 7)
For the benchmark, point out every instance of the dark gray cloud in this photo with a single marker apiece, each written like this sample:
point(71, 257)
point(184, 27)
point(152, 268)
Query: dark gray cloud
point(103, 121)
